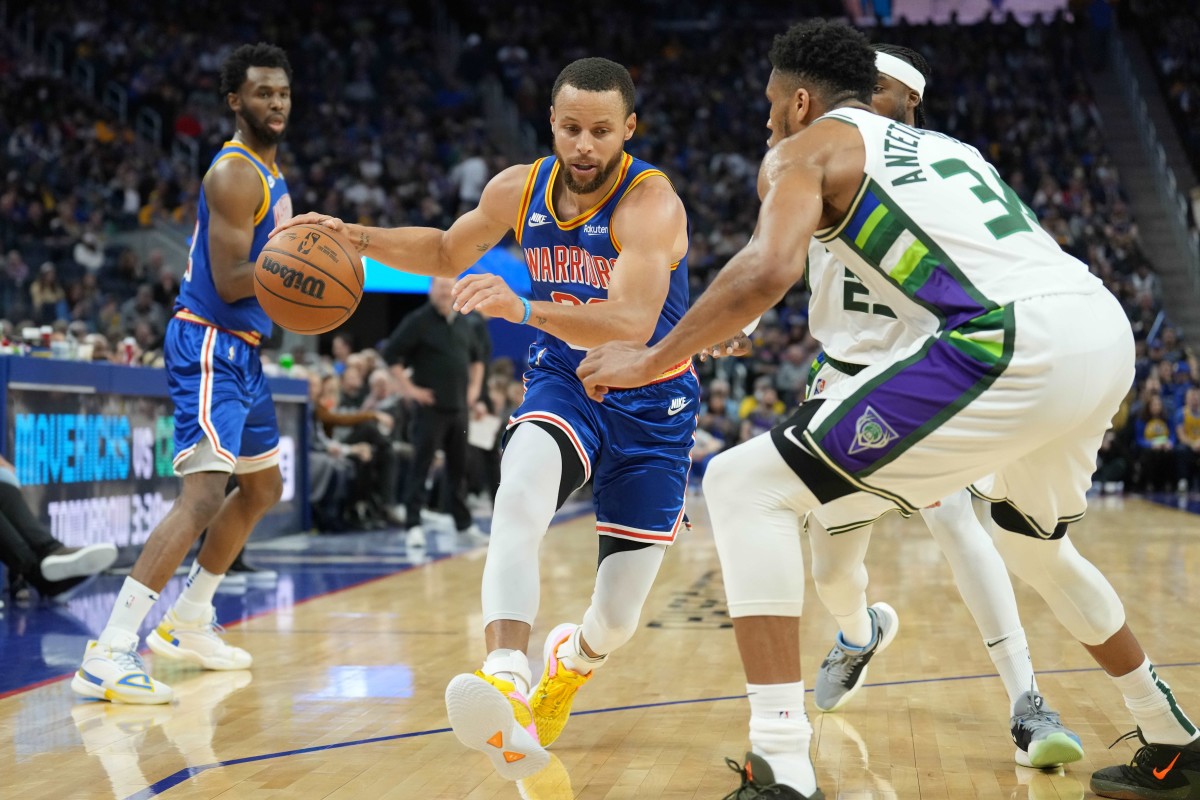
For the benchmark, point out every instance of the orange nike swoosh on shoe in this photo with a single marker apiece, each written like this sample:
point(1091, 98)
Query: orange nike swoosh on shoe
point(1163, 773)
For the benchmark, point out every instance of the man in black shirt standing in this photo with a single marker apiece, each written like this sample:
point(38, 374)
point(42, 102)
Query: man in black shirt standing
point(446, 359)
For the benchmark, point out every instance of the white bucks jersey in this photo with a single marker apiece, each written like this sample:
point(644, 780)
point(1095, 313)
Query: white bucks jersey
point(938, 236)
point(848, 319)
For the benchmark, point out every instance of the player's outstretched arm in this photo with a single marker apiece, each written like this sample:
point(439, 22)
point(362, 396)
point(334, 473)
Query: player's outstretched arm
point(235, 194)
point(432, 251)
point(753, 281)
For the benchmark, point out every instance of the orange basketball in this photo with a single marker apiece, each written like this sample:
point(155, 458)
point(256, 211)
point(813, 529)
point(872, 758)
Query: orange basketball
point(307, 279)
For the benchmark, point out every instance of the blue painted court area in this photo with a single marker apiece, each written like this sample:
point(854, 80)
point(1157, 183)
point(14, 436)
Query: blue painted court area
point(43, 641)
point(1184, 501)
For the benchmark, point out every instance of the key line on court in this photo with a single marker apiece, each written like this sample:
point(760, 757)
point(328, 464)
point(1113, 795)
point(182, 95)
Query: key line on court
point(161, 786)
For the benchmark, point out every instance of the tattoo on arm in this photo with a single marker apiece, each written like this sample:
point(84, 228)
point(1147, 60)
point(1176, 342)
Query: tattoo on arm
point(364, 241)
point(483, 247)
point(541, 320)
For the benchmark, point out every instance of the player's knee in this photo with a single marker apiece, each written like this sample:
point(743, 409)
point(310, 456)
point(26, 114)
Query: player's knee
point(521, 509)
point(1081, 597)
point(829, 573)
point(264, 490)
point(609, 628)
point(201, 505)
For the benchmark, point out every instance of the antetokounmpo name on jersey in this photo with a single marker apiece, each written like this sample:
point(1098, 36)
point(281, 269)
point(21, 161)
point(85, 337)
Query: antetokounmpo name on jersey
point(568, 264)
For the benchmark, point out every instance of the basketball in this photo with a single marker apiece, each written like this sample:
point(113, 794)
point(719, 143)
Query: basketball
point(308, 280)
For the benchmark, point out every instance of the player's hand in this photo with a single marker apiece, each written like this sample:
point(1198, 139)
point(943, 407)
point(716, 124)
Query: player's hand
point(311, 218)
point(736, 347)
point(423, 395)
point(489, 294)
point(615, 365)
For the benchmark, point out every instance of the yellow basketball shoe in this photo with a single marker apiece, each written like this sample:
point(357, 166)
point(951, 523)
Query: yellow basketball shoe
point(488, 714)
point(197, 643)
point(555, 692)
point(118, 675)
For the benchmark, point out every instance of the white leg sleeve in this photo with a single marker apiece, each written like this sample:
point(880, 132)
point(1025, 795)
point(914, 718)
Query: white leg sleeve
point(622, 584)
point(755, 502)
point(525, 504)
point(840, 576)
point(1078, 594)
point(978, 569)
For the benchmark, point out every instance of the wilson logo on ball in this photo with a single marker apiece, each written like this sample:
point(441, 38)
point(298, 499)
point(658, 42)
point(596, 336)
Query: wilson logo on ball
point(295, 279)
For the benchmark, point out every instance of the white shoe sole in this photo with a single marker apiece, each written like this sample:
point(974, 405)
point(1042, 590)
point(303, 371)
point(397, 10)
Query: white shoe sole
point(174, 652)
point(85, 688)
point(883, 645)
point(87, 561)
point(482, 719)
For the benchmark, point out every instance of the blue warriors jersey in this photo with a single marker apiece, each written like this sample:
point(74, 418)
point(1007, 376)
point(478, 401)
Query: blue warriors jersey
point(198, 294)
point(571, 261)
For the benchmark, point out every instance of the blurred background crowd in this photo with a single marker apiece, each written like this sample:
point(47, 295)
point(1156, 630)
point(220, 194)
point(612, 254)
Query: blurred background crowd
point(109, 133)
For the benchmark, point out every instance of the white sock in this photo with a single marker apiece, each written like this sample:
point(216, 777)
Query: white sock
point(1010, 654)
point(1149, 699)
point(857, 630)
point(780, 733)
point(195, 603)
point(511, 666)
point(572, 656)
point(134, 602)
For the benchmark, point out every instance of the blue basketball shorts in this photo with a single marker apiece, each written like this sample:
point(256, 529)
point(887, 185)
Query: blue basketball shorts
point(635, 446)
point(224, 414)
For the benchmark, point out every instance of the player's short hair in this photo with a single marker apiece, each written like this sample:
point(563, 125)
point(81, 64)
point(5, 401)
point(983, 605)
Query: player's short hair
point(233, 71)
point(829, 58)
point(596, 75)
point(919, 63)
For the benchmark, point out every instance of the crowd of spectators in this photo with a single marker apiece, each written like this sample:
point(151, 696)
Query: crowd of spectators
point(1171, 34)
point(388, 129)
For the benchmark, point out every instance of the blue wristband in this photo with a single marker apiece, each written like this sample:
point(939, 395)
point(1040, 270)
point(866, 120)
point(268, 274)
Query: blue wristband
point(528, 310)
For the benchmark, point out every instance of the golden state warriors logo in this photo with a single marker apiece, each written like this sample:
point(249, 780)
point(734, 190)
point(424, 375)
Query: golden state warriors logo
point(871, 432)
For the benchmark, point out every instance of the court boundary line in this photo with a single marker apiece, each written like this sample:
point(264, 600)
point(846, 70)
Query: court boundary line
point(165, 784)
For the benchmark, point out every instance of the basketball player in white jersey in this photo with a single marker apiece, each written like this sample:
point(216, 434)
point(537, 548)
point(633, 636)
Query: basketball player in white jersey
point(856, 330)
point(1025, 359)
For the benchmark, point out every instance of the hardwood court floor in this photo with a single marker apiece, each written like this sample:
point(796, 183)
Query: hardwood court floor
point(345, 698)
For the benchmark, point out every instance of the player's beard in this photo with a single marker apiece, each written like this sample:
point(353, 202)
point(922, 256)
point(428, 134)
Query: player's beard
point(602, 174)
point(260, 130)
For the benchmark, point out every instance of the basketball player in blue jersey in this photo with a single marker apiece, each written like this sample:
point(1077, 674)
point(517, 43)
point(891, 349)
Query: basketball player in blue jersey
point(1025, 359)
point(857, 329)
point(224, 415)
point(605, 240)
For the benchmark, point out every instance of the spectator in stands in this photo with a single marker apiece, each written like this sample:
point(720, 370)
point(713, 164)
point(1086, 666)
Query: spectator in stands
point(48, 301)
point(1187, 437)
point(365, 432)
point(1154, 445)
point(89, 252)
point(331, 470)
point(13, 287)
point(1112, 464)
point(142, 308)
point(33, 555)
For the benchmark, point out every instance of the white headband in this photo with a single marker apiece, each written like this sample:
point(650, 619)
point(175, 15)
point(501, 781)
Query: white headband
point(901, 70)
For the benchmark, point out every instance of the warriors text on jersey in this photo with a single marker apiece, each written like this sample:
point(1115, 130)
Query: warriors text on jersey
point(198, 294)
point(931, 230)
point(571, 261)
